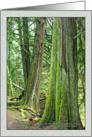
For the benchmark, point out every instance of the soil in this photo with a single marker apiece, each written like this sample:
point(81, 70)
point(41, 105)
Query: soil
point(15, 121)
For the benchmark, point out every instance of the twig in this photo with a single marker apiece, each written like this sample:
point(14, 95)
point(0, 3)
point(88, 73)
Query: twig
point(18, 86)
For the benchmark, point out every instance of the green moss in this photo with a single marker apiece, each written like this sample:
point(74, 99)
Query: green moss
point(49, 113)
point(36, 119)
point(42, 98)
point(22, 114)
point(23, 120)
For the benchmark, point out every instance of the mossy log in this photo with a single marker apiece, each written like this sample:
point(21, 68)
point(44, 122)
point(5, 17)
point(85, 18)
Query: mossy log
point(14, 103)
point(17, 107)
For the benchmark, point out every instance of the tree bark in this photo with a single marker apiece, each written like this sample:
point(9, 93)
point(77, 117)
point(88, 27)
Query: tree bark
point(24, 44)
point(62, 97)
point(70, 71)
point(34, 81)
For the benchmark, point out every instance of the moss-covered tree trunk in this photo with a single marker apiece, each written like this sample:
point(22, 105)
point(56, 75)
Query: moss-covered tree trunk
point(56, 95)
point(10, 83)
point(34, 81)
point(24, 45)
point(62, 97)
point(69, 67)
point(26, 52)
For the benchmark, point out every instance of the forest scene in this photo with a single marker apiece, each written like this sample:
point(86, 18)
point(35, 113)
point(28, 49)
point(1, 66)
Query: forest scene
point(45, 73)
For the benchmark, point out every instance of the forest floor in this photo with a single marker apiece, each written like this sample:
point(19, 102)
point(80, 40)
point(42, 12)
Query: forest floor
point(16, 120)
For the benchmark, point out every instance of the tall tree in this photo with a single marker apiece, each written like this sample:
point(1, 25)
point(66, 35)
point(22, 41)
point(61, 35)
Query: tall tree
point(62, 97)
point(24, 44)
point(70, 67)
point(34, 81)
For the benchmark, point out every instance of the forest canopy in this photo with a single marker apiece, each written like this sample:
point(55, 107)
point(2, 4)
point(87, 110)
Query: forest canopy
point(46, 72)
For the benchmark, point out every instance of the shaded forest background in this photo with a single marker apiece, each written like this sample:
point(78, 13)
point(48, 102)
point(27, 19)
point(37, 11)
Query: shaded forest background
point(46, 65)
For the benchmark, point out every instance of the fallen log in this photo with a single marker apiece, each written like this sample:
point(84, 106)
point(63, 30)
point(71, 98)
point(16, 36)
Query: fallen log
point(14, 103)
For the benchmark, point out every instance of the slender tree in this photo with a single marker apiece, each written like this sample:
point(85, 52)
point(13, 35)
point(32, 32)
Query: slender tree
point(24, 44)
point(17, 74)
point(10, 83)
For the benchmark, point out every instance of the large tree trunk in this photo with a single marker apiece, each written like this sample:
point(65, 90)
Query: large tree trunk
point(69, 67)
point(34, 81)
point(56, 108)
point(62, 97)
